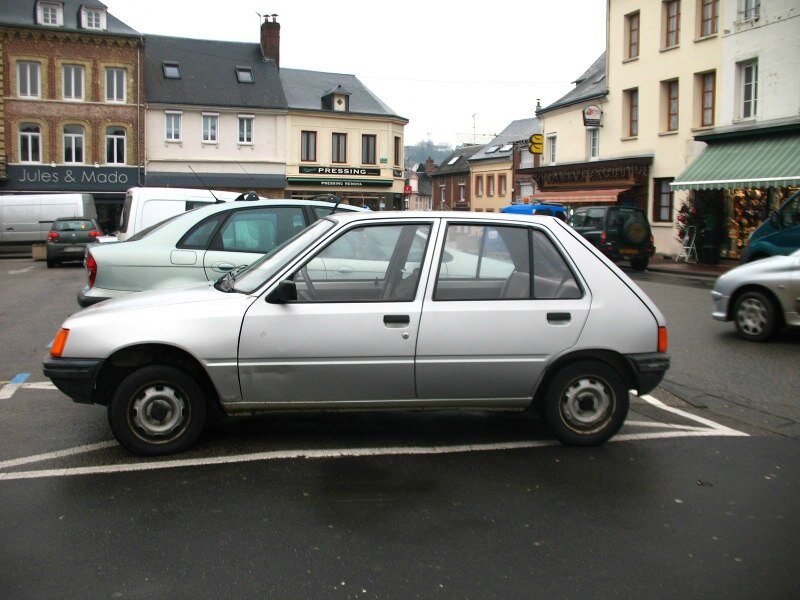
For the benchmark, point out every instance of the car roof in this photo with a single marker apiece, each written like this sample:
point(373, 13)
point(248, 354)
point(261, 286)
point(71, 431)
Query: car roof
point(410, 215)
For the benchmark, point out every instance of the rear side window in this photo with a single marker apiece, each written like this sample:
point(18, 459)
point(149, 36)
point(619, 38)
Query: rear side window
point(593, 217)
point(259, 229)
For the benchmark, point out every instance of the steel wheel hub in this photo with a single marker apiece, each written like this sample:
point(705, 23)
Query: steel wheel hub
point(158, 410)
point(586, 403)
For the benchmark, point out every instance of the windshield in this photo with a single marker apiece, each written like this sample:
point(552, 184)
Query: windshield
point(265, 267)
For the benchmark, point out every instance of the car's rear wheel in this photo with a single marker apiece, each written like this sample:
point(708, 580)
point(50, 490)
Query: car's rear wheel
point(51, 263)
point(157, 410)
point(586, 403)
point(640, 263)
point(755, 316)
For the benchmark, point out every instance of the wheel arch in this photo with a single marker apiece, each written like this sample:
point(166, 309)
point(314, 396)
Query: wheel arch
point(127, 360)
point(770, 295)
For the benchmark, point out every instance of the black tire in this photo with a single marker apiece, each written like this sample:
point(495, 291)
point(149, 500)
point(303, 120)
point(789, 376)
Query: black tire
point(51, 263)
point(755, 316)
point(640, 263)
point(586, 403)
point(157, 410)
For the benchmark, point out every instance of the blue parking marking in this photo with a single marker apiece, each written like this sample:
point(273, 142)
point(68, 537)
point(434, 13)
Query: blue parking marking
point(20, 378)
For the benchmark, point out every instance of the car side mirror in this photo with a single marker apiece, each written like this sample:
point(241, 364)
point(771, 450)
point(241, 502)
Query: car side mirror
point(284, 293)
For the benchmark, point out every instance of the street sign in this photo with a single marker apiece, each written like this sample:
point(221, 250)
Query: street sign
point(537, 144)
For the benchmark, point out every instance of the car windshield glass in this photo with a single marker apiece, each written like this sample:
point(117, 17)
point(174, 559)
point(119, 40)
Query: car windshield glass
point(265, 267)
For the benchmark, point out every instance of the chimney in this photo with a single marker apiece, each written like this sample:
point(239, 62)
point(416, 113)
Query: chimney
point(430, 166)
point(271, 39)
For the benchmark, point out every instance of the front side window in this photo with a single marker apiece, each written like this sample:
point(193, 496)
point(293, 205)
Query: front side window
point(116, 84)
point(375, 263)
point(30, 143)
point(73, 143)
point(72, 82)
point(245, 130)
point(210, 126)
point(632, 35)
point(339, 148)
point(664, 196)
point(173, 127)
point(748, 76)
point(672, 24)
point(115, 145)
point(308, 146)
point(709, 17)
point(28, 76)
point(368, 149)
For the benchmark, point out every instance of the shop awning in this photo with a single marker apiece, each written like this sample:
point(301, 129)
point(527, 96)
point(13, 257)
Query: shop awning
point(584, 196)
point(758, 162)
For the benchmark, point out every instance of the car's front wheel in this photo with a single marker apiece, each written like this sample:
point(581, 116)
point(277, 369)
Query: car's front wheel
point(157, 410)
point(755, 316)
point(586, 403)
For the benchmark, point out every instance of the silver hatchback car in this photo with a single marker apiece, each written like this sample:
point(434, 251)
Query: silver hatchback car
point(381, 311)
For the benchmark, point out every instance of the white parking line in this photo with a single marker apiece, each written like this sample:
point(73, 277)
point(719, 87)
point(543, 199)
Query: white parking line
point(9, 389)
point(672, 431)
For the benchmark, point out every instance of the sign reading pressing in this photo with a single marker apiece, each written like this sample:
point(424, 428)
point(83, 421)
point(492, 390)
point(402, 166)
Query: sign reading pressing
point(341, 171)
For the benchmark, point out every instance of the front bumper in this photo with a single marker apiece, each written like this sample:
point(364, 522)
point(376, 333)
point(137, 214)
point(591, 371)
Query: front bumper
point(74, 376)
point(720, 301)
point(648, 369)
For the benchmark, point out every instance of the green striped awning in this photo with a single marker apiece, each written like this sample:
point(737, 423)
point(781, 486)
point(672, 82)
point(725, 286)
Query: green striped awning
point(761, 162)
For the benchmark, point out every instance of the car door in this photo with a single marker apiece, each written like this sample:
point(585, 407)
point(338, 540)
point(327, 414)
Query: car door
point(487, 332)
point(344, 341)
point(247, 234)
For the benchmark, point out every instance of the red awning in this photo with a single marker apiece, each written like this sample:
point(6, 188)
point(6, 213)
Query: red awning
point(585, 196)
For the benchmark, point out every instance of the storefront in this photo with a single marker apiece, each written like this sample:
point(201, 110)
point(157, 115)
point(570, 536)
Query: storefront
point(355, 186)
point(741, 177)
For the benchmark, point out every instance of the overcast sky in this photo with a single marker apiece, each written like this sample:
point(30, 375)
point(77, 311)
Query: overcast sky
point(451, 67)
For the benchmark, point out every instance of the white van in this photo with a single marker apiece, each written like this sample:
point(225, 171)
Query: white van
point(146, 206)
point(26, 219)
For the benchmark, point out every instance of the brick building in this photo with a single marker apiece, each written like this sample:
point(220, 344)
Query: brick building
point(71, 117)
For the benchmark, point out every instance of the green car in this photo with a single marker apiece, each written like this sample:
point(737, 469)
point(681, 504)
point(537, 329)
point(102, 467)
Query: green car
point(68, 238)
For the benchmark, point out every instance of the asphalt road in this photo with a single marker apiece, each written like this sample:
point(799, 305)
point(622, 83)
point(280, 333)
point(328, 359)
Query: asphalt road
point(686, 501)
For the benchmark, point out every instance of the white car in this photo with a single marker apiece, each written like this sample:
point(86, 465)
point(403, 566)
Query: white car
point(199, 245)
point(433, 310)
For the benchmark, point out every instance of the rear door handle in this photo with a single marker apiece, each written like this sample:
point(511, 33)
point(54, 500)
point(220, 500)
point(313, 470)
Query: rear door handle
point(561, 317)
point(396, 319)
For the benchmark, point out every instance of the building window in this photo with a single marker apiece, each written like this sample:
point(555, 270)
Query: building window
point(173, 122)
point(73, 144)
point(116, 84)
point(210, 128)
point(479, 185)
point(751, 9)
point(50, 14)
point(441, 196)
point(490, 185)
point(308, 146)
point(93, 18)
point(632, 108)
point(398, 152)
point(551, 149)
point(245, 129)
point(339, 148)
point(709, 17)
point(664, 196)
point(672, 23)
point(707, 93)
point(462, 192)
point(244, 75)
point(28, 74)
point(30, 143)
point(671, 92)
point(368, 149)
point(632, 35)
point(593, 142)
point(748, 78)
point(115, 145)
point(72, 82)
point(172, 70)
point(501, 184)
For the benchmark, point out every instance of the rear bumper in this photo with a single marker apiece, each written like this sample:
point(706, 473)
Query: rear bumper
point(648, 370)
point(73, 376)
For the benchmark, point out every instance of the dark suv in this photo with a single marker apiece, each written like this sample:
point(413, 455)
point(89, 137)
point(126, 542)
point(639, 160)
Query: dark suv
point(619, 232)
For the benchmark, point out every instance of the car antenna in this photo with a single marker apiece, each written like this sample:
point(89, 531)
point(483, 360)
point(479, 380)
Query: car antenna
point(208, 189)
point(329, 198)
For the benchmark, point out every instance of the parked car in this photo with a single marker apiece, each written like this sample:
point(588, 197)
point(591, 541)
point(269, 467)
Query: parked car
point(68, 238)
point(780, 234)
point(619, 232)
point(760, 297)
point(199, 245)
point(289, 333)
point(25, 219)
point(538, 208)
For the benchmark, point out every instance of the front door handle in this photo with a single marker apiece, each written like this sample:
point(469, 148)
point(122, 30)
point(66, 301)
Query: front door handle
point(560, 317)
point(396, 320)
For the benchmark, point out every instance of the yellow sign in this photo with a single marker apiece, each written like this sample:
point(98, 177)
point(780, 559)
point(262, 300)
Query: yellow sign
point(537, 144)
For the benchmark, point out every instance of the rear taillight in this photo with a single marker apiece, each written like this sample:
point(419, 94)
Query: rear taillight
point(91, 267)
point(603, 237)
point(662, 339)
point(94, 234)
point(52, 235)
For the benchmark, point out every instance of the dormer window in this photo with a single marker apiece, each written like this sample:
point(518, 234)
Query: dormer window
point(172, 70)
point(93, 18)
point(50, 14)
point(337, 99)
point(244, 74)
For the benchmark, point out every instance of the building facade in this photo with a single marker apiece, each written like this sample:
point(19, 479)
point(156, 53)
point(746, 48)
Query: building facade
point(71, 118)
point(451, 182)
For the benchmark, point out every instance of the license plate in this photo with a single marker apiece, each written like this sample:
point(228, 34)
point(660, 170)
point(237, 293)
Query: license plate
point(628, 251)
point(73, 249)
